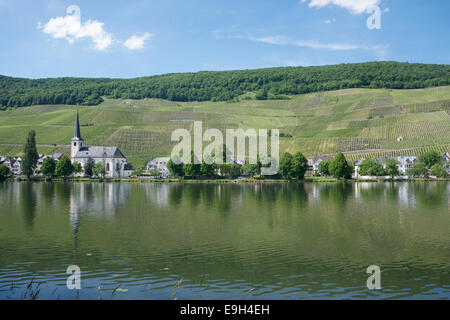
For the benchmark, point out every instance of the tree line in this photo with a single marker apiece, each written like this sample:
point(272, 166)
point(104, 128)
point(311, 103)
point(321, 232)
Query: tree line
point(269, 83)
point(429, 163)
point(290, 167)
point(209, 170)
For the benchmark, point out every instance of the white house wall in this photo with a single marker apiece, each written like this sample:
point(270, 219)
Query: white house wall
point(112, 165)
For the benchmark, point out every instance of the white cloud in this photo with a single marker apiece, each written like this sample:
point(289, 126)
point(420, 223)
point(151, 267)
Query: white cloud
point(308, 43)
point(136, 42)
point(72, 29)
point(354, 6)
point(379, 50)
point(387, 9)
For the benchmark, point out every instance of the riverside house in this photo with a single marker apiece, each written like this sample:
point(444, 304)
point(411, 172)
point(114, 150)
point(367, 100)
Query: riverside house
point(13, 163)
point(159, 165)
point(405, 163)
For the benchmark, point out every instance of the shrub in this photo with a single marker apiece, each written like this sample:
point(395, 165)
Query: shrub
point(370, 167)
point(4, 171)
point(430, 158)
point(63, 167)
point(324, 167)
point(438, 170)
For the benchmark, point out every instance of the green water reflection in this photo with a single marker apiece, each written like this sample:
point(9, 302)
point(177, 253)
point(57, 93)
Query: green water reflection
point(278, 241)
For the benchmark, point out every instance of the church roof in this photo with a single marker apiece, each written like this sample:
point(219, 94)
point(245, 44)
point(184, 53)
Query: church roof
point(99, 152)
point(77, 133)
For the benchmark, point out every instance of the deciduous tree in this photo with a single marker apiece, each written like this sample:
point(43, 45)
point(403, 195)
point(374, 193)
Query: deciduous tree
point(176, 170)
point(324, 167)
point(48, 167)
point(392, 167)
point(99, 169)
point(89, 166)
point(430, 158)
point(64, 167)
point(418, 170)
point(438, 170)
point(4, 171)
point(339, 167)
point(285, 167)
point(370, 167)
point(299, 166)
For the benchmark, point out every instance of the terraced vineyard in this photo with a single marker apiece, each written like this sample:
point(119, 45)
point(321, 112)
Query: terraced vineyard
point(358, 122)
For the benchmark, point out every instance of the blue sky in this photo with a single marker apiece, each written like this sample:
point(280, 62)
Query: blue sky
point(141, 38)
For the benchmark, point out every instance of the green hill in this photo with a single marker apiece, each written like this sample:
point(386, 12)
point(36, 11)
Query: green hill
point(270, 83)
point(358, 122)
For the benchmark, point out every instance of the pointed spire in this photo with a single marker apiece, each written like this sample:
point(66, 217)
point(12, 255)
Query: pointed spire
point(77, 129)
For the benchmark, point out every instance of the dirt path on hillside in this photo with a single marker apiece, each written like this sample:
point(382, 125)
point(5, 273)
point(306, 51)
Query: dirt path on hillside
point(37, 145)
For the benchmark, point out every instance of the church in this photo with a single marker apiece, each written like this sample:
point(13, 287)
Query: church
point(116, 165)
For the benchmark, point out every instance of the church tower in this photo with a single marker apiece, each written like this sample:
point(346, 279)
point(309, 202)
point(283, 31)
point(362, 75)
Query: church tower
point(77, 141)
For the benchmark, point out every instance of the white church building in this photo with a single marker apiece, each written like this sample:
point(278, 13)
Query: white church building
point(116, 165)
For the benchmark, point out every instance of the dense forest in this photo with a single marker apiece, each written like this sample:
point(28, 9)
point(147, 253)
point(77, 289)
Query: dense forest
point(270, 83)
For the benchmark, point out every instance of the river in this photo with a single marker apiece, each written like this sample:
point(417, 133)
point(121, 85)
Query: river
point(224, 241)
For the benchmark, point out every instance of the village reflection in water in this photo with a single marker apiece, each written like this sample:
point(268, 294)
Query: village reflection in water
point(286, 240)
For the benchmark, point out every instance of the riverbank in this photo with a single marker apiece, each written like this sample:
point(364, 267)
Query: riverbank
point(219, 181)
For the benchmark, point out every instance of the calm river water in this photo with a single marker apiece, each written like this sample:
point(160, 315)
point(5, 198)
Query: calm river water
point(224, 241)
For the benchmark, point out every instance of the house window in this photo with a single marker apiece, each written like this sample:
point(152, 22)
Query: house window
point(74, 144)
point(107, 167)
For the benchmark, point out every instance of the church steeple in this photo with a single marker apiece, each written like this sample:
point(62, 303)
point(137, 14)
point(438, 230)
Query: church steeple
point(76, 142)
point(77, 129)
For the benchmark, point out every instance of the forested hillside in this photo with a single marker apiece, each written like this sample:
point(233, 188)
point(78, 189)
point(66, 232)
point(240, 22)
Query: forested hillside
point(271, 83)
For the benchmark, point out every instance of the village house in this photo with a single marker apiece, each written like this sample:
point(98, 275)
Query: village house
point(56, 157)
point(240, 161)
point(159, 165)
point(4, 160)
point(357, 165)
point(116, 165)
point(13, 163)
point(316, 162)
point(315, 165)
point(446, 157)
point(406, 163)
point(310, 166)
